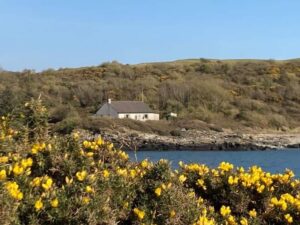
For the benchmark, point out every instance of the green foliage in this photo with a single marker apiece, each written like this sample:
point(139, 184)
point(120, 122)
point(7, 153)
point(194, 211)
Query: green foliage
point(195, 89)
point(70, 180)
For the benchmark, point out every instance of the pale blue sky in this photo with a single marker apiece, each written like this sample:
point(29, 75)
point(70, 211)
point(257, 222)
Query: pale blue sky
point(41, 34)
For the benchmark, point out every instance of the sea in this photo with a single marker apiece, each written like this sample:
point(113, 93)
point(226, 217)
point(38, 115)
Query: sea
point(274, 161)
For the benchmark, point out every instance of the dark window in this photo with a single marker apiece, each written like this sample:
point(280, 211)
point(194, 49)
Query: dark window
point(146, 116)
point(127, 116)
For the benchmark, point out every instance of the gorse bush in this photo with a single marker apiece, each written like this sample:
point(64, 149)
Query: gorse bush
point(49, 179)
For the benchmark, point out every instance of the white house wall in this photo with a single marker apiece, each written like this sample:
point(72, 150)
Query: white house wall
point(139, 116)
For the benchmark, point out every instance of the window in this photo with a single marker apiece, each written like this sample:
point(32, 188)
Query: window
point(146, 116)
point(127, 115)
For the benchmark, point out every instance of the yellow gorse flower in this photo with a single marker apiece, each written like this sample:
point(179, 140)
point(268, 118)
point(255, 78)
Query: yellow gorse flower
point(253, 213)
point(26, 162)
point(233, 180)
point(139, 213)
point(172, 213)
point(157, 191)
point(86, 200)
point(203, 220)
point(2, 174)
point(13, 190)
point(99, 141)
point(244, 221)
point(132, 173)
point(54, 203)
point(81, 175)
point(182, 178)
point(90, 154)
point(122, 172)
point(38, 147)
point(48, 183)
point(18, 169)
point(36, 182)
point(144, 163)
point(288, 218)
point(4, 159)
point(105, 173)
point(89, 189)
point(123, 155)
point(38, 205)
point(201, 183)
point(225, 210)
point(225, 166)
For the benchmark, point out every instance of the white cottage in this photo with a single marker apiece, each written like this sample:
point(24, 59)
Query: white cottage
point(136, 110)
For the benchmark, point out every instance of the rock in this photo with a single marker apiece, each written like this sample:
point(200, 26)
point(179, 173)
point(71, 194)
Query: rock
point(202, 140)
point(293, 146)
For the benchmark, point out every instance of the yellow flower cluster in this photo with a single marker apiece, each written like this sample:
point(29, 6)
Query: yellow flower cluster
point(139, 213)
point(4, 159)
point(6, 132)
point(90, 148)
point(39, 147)
point(45, 182)
point(288, 218)
point(13, 190)
point(225, 211)
point(23, 166)
point(201, 169)
point(251, 181)
point(225, 166)
point(286, 200)
point(105, 173)
point(38, 205)
point(204, 219)
point(162, 187)
point(97, 176)
point(81, 175)
point(48, 183)
point(182, 178)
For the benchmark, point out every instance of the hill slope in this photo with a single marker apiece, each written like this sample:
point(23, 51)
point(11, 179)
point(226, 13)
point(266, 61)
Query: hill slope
point(230, 93)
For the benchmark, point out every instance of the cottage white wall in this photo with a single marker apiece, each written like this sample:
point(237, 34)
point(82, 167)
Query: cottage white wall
point(139, 116)
point(153, 116)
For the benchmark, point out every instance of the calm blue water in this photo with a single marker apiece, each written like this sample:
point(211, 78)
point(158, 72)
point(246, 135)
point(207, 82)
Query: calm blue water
point(272, 161)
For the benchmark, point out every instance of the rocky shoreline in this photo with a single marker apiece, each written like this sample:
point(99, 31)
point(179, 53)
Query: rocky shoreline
point(204, 141)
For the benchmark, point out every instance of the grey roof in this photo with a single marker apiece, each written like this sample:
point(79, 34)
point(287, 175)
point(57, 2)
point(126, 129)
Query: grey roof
point(131, 107)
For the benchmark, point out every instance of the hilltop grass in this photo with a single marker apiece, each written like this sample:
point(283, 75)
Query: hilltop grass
point(48, 179)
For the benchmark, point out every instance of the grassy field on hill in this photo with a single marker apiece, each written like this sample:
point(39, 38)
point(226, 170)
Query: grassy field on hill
point(230, 93)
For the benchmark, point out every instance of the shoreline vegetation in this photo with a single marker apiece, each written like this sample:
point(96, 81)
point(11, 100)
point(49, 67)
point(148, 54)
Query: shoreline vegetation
point(53, 179)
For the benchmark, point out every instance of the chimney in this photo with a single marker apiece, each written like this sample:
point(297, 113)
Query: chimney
point(109, 101)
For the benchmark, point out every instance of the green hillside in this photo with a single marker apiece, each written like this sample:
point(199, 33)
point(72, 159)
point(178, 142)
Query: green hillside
point(230, 93)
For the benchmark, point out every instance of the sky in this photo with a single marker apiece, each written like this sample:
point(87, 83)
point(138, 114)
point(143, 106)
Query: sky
point(43, 34)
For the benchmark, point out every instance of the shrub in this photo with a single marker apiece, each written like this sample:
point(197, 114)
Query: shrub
point(54, 180)
point(176, 133)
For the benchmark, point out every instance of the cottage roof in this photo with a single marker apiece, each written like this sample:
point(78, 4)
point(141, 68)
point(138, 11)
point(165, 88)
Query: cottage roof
point(130, 107)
